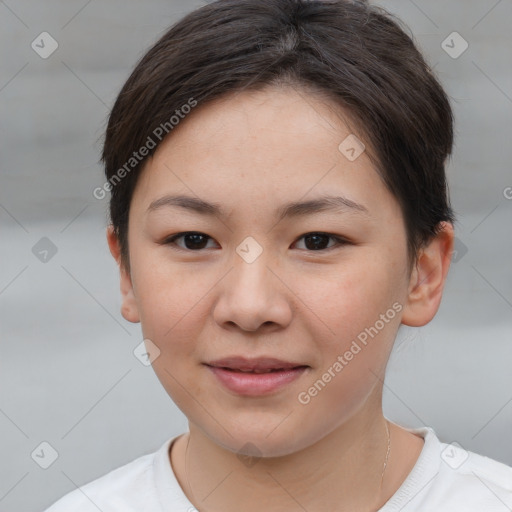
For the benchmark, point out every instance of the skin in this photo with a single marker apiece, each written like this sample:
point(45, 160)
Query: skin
point(250, 153)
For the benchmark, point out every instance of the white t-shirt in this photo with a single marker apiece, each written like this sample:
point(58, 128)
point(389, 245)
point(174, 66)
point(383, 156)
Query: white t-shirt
point(445, 478)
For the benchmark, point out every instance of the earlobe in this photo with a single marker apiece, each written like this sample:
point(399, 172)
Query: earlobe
point(129, 308)
point(428, 278)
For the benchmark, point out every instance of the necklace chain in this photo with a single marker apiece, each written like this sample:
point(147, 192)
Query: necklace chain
point(387, 454)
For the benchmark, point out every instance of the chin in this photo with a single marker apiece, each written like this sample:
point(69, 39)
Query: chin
point(253, 441)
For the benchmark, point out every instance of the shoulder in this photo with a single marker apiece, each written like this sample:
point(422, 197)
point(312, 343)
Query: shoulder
point(448, 478)
point(127, 488)
point(468, 478)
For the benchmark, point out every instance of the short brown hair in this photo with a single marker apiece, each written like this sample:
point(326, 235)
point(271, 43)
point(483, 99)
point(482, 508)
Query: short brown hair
point(353, 53)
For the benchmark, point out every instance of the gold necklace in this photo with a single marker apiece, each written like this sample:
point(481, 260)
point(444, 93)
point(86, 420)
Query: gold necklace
point(387, 454)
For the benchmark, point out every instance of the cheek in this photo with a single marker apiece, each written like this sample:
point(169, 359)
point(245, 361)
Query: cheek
point(172, 305)
point(169, 300)
point(362, 313)
point(350, 297)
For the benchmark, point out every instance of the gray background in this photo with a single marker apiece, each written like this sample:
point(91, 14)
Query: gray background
point(68, 375)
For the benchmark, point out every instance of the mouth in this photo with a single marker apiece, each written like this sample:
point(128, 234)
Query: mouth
point(255, 377)
point(259, 371)
point(256, 365)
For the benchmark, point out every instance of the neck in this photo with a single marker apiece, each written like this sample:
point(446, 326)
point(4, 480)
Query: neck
point(342, 471)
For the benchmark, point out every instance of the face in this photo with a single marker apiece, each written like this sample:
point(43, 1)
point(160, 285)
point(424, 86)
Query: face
point(252, 280)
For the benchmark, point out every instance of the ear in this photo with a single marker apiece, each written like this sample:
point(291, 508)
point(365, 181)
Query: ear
point(428, 277)
point(129, 308)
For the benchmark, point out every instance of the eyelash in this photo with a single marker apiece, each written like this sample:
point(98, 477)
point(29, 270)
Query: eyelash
point(339, 240)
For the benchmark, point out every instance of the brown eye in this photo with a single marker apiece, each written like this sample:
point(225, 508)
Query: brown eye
point(192, 240)
point(320, 241)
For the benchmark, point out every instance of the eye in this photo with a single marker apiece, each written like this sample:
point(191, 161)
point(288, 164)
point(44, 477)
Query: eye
point(196, 241)
point(193, 240)
point(318, 241)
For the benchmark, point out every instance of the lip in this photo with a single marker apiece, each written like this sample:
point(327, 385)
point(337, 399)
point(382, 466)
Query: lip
point(230, 372)
point(250, 364)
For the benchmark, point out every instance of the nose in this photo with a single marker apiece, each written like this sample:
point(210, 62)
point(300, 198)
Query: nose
point(253, 298)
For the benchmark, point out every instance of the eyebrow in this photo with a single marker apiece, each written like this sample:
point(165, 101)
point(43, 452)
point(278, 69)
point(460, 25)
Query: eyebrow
point(338, 204)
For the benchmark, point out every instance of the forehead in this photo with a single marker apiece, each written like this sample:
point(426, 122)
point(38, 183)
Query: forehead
point(277, 119)
point(262, 147)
